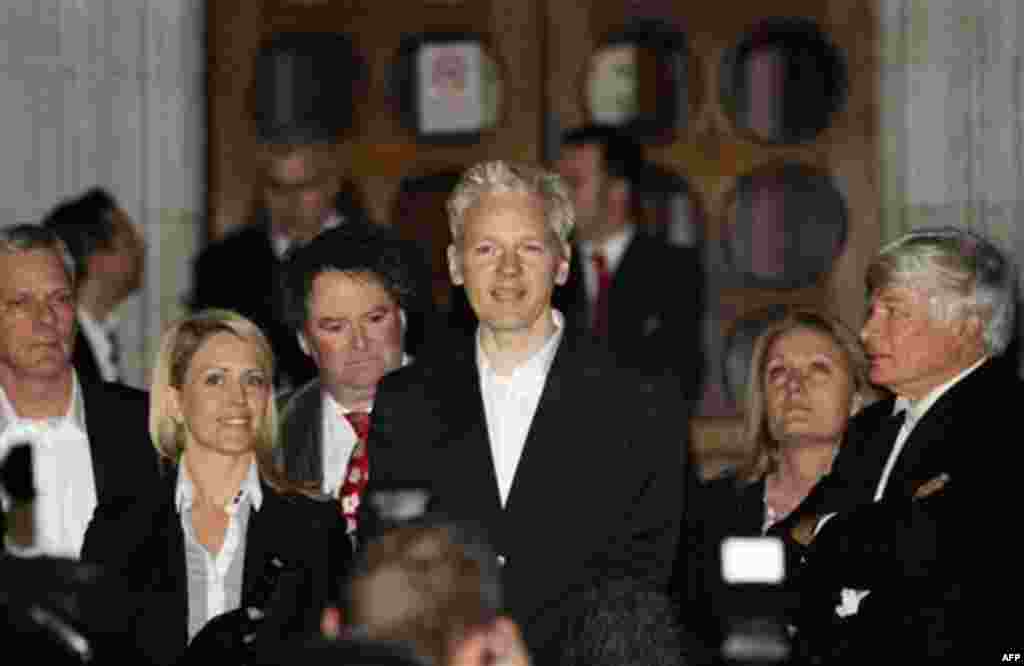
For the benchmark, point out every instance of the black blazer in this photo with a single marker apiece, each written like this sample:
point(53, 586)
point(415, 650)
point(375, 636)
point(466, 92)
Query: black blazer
point(655, 309)
point(715, 509)
point(300, 450)
point(124, 463)
point(598, 491)
point(144, 545)
point(84, 359)
point(912, 555)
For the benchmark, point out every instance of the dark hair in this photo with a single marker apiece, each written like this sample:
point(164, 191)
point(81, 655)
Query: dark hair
point(621, 156)
point(628, 622)
point(85, 224)
point(353, 249)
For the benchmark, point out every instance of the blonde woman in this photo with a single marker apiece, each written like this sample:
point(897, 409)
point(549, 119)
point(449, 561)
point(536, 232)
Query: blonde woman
point(808, 375)
point(223, 538)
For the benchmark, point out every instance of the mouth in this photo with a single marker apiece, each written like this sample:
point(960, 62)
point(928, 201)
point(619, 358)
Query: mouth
point(238, 421)
point(507, 294)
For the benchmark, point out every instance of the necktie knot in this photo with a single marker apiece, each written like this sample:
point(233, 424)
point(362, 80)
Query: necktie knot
point(360, 422)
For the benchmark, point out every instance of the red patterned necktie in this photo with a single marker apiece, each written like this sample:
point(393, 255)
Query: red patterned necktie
point(599, 323)
point(357, 473)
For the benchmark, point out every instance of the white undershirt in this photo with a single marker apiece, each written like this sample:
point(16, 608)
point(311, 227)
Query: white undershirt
point(62, 474)
point(219, 582)
point(510, 403)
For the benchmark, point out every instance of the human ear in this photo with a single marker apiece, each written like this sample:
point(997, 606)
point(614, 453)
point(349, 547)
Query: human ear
point(455, 265)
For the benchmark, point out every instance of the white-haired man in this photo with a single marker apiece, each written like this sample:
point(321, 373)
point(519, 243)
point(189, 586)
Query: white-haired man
point(885, 533)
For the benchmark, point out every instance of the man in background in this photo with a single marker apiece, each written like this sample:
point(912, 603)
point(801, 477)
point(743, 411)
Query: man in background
point(639, 296)
point(109, 254)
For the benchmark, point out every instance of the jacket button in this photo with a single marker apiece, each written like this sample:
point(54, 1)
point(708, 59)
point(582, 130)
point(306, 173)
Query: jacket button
point(501, 560)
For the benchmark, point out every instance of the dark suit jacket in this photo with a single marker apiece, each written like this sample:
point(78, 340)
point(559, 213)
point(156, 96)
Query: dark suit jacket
point(84, 359)
point(911, 555)
point(143, 543)
point(598, 491)
point(655, 308)
point(715, 509)
point(241, 272)
point(124, 462)
point(300, 451)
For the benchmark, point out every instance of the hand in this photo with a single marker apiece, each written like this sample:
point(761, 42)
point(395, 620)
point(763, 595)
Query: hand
point(931, 486)
point(803, 531)
point(500, 644)
point(227, 638)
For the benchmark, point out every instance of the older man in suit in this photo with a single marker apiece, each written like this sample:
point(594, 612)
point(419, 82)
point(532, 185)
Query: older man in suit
point(571, 463)
point(89, 439)
point(885, 535)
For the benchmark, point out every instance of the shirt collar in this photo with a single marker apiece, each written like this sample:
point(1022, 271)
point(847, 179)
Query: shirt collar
point(282, 242)
point(536, 367)
point(74, 417)
point(916, 409)
point(184, 491)
point(87, 320)
point(613, 247)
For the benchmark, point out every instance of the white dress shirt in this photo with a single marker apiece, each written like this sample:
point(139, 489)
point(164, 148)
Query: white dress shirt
point(215, 580)
point(613, 248)
point(338, 441)
point(62, 474)
point(99, 334)
point(510, 403)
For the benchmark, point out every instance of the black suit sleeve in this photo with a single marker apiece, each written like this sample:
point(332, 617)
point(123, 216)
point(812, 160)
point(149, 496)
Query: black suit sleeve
point(645, 546)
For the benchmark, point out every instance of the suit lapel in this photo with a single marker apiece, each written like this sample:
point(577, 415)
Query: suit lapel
point(546, 454)
point(921, 454)
point(469, 440)
point(95, 419)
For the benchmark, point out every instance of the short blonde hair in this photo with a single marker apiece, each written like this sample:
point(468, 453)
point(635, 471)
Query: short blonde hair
point(764, 448)
point(498, 177)
point(178, 346)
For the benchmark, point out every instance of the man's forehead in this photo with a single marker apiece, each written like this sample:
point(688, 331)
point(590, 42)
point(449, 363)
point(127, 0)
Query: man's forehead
point(32, 270)
point(339, 290)
point(897, 294)
point(300, 164)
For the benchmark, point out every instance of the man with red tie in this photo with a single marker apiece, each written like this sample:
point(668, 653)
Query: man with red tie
point(345, 296)
point(640, 296)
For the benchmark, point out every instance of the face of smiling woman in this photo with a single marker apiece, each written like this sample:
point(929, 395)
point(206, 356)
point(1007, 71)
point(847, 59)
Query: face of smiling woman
point(225, 396)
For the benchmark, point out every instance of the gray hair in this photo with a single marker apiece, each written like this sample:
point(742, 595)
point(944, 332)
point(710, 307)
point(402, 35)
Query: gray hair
point(962, 272)
point(20, 238)
point(499, 176)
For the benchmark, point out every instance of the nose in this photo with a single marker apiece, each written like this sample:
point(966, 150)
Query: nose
point(238, 393)
point(795, 380)
point(508, 263)
point(46, 313)
point(360, 339)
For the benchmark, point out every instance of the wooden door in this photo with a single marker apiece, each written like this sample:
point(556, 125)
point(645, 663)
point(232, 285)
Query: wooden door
point(543, 49)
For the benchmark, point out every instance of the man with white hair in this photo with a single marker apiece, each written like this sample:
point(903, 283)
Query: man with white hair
point(882, 527)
